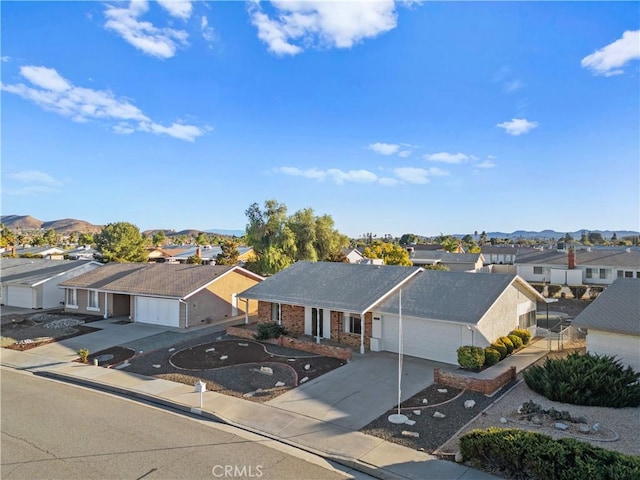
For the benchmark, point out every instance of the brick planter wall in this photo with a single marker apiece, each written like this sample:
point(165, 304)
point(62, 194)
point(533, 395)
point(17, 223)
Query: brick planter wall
point(485, 386)
point(295, 343)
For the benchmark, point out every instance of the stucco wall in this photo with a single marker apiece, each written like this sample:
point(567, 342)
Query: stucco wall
point(502, 317)
point(234, 282)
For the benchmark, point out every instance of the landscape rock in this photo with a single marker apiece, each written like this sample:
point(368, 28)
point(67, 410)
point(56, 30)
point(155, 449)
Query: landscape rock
point(561, 426)
point(442, 390)
point(417, 412)
point(243, 344)
point(307, 367)
point(172, 349)
point(585, 429)
point(596, 427)
point(581, 420)
point(469, 403)
point(280, 384)
point(407, 433)
point(439, 415)
point(410, 422)
point(503, 420)
point(304, 379)
point(458, 458)
point(425, 401)
point(224, 357)
point(210, 350)
point(266, 370)
point(156, 365)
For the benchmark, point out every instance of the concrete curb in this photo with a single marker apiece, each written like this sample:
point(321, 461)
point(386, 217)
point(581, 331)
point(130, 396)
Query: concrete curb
point(349, 462)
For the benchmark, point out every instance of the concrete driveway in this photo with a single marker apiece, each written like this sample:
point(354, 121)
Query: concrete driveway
point(357, 393)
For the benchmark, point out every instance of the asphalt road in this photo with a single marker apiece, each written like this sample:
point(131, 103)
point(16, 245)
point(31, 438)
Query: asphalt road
point(52, 430)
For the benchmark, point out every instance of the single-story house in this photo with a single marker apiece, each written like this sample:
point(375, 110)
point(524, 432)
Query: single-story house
point(174, 295)
point(499, 255)
point(83, 252)
point(612, 322)
point(207, 253)
point(34, 282)
point(457, 262)
point(356, 256)
point(359, 305)
point(586, 266)
point(46, 252)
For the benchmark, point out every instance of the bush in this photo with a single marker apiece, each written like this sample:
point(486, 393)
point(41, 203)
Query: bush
point(520, 454)
point(491, 356)
point(589, 379)
point(269, 330)
point(502, 350)
point(578, 292)
point(507, 343)
point(523, 333)
point(471, 358)
point(517, 342)
point(83, 353)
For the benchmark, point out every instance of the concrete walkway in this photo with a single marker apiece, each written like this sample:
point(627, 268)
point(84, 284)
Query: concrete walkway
point(347, 446)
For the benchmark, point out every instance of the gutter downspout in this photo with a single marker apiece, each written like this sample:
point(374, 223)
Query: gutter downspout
point(186, 313)
point(362, 326)
point(106, 305)
point(246, 310)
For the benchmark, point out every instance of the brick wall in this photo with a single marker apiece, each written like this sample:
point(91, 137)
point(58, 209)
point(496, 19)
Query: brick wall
point(484, 386)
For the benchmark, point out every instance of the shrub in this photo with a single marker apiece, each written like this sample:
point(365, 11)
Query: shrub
point(523, 333)
point(502, 350)
point(507, 343)
point(589, 379)
point(83, 353)
point(552, 290)
point(517, 342)
point(578, 292)
point(491, 356)
point(520, 454)
point(471, 358)
point(269, 330)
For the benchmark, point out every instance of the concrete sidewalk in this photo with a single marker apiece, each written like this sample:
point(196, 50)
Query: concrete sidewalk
point(365, 453)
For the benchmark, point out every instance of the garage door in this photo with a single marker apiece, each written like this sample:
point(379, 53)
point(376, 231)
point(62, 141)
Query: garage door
point(20, 296)
point(158, 311)
point(422, 338)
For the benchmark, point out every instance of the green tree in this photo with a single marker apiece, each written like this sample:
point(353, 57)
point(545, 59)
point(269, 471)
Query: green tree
point(303, 225)
point(329, 242)
point(7, 237)
point(595, 238)
point(194, 260)
point(338, 257)
point(50, 237)
point(229, 255)
point(408, 238)
point(390, 253)
point(202, 239)
point(483, 238)
point(159, 238)
point(38, 241)
point(450, 244)
point(86, 239)
point(436, 266)
point(121, 242)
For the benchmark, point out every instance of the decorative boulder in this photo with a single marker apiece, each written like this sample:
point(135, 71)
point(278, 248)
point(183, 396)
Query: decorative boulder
point(469, 404)
point(410, 422)
point(458, 458)
point(503, 420)
point(442, 390)
point(438, 415)
point(417, 412)
point(561, 426)
point(425, 401)
point(585, 429)
point(407, 433)
point(280, 384)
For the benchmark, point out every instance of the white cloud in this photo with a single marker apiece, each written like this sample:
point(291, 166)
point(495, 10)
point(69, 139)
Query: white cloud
point(318, 23)
point(517, 126)
point(447, 157)
point(384, 148)
point(485, 164)
point(357, 176)
point(177, 8)
point(438, 172)
point(5, 58)
point(57, 94)
point(513, 85)
point(609, 60)
point(34, 176)
point(405, 153)
point(310, 173)
point(412, 175)
point(389, 182)
point(207, 32)
point(154, 41)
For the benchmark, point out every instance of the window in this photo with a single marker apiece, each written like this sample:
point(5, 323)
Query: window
point(620, 274)
point(527, 320)
point(353, 323)
point(628, 274)
point(72, 298)
point(93, 302)
point(589, 273)
point(537, 270)
point(603, 273)
point(275, 312)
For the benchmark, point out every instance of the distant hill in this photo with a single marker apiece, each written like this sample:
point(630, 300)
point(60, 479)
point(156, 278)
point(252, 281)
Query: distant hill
point(25, 222)
point(548, 234)
point(223, 231)
point(68, 225)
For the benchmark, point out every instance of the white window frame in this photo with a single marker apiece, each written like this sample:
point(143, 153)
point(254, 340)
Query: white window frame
point(538, 270)
point(349, 323)
point(72, 298)
point(527, 320)
point(276, 312)
point(93, 300)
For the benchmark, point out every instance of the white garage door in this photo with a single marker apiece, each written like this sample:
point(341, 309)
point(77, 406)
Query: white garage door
point(158, 311)
point(20, 296)
point(422, 338)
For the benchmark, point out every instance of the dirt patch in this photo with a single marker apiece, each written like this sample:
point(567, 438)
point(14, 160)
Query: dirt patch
point(432, 431)
point(232, 366)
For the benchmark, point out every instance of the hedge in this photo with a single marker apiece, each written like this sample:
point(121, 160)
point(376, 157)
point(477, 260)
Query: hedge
point(523, 333)
point(507, 343)
point(471, 358)
point(491, 356)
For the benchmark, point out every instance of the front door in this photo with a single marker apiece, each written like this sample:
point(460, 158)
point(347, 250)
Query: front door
point(317, 322)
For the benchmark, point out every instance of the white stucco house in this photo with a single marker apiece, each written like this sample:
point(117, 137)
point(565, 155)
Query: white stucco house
point(34, 282)
point(612, 322)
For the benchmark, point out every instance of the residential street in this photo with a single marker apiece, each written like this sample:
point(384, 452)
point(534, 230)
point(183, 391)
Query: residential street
point(53, 430)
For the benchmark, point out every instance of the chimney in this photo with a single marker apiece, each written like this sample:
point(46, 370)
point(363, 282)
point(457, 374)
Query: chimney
point(198, 252)
point(571, 259)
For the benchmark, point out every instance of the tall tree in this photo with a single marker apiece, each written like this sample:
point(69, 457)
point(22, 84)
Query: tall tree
point(121, 242)
point(7, 237)
point(159, 238)
point(86, 239)
point(229, 255)
point(50, 237)
point(303, 225)
point(483, 238)
point(390, 253)
point(329, 241)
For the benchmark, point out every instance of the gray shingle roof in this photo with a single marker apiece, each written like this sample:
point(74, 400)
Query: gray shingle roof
point(339, 286)
point(605, 257)
point(453, 296)
point(30, 271)
point(158, 279)
point(617, 309)
point(444, 257)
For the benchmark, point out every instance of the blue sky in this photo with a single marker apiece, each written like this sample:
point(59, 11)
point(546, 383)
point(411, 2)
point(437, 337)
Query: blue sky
point(405, 117)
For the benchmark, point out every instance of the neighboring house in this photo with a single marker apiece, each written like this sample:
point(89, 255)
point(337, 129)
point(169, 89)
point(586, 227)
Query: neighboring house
point(209, 254)
point(164, 253)
point(499, 255)
point(612, 322)
point(34, 282)
point(589, 266)
point(173, 295)
point(355, 256)
point(83, 252)
point(47, 253)
point(457, 262)
point(358, 305)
